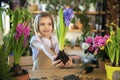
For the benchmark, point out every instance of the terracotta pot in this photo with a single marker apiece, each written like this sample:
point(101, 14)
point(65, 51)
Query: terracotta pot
point(78, 24)
point(23, 77)
point(18, 73)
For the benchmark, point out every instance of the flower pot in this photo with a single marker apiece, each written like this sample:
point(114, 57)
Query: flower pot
point(18, 73)
point(110, 70)
point(116, 75)
point(22, 77)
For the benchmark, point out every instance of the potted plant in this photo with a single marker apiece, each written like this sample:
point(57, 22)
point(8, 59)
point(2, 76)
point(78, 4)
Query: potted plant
point(61, 30)
point(4, 67)
point(113, 50)
point(96, 46)
point(17, 39)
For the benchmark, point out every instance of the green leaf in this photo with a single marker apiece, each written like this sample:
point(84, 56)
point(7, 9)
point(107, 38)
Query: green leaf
point(15, 20)
point(1, 23)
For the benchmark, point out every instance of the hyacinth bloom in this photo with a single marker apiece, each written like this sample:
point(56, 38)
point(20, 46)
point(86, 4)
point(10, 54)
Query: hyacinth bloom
point(65, 17)
point(91, 48)
point(68, 15)
point(21, 36)
point(89, 40)
point(21, 30)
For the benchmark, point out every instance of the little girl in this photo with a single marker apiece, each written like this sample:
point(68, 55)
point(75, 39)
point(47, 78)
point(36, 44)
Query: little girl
point(44, 44)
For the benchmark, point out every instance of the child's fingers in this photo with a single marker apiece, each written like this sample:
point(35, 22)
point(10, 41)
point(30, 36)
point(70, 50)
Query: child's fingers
point(69, 63)
point(59, 65)
point(55, 56)
point(56, 62)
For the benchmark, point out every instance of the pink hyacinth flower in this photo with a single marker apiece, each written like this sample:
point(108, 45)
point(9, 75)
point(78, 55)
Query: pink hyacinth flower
point(89, 40)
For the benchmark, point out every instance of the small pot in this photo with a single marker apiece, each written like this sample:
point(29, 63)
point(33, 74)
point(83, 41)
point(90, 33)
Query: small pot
point(22, 77)
point(18, 73)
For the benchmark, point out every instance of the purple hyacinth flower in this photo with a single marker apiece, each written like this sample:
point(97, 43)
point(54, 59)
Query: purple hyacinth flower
point(68, 15)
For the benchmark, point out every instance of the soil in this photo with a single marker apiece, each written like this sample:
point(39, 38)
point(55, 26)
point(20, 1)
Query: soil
point(16, 70)
point(62, 56)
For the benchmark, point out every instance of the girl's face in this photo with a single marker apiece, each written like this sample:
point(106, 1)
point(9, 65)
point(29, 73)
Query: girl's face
point(45, 26)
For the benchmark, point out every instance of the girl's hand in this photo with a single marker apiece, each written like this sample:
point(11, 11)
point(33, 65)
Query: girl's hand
point(68, 63)
point(59, 63)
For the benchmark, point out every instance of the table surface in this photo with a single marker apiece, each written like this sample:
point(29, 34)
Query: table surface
point(58, 74)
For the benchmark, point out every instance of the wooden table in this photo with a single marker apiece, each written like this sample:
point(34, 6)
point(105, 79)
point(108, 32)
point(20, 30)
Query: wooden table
point(58, 74)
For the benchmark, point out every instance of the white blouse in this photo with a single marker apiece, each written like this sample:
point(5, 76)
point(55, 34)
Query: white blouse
point(53, 43)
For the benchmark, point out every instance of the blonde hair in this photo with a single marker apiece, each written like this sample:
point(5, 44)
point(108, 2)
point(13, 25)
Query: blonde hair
point(37, 19)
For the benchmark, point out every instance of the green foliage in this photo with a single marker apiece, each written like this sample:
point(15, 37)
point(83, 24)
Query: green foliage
point(67, 43)
point(0, 20)
point(4, 67)
point(54, 5)
point(86, 28)
point(19, 15)
point(61, 30)
point(17, 45)
point(1, 11)
point(77, 42)
point(113, 45)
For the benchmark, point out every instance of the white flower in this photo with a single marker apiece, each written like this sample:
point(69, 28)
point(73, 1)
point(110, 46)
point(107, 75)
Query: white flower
point(85, 46)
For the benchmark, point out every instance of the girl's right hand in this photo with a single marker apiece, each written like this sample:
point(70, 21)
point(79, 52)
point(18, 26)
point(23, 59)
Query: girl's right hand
point(57, 63)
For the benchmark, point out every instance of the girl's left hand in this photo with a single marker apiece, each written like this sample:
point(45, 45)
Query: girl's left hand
point(68, 63)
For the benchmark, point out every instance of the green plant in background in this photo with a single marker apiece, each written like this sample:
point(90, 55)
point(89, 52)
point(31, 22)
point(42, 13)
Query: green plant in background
point(85, 19)
point(17, 39)
point(24, 17)
point(87, 2)
point(4, 67)
point(68, 43)
point(19, 33)
point(0, 19)
point(54, 5)
point(77, 42)
point(113, 45)
point(86, 27)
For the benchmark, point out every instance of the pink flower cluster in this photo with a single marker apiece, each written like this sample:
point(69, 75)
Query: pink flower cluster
point(96, 43)
point(89, 41)
point(22, 30)
point(100, 41)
